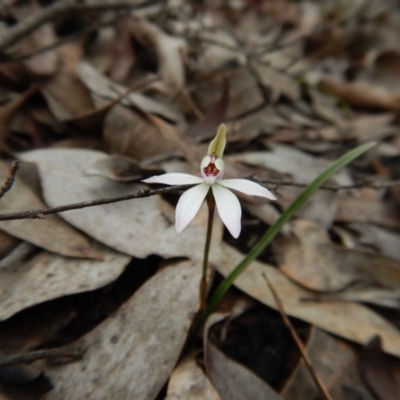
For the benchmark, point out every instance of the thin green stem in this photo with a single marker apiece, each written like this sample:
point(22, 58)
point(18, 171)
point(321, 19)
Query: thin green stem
point(203, 282)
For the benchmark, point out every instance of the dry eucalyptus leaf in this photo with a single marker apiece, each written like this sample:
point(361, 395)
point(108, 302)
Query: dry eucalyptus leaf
point(188, 381)
point(321, 208)
point(45, 276)
point(287, 160)
point(124, 57)
point(136, 227)
point(277, 82)
point(376, 372)
point(335, 362)
point(385, 71)
point(170, 52)
point(66, 95)
point(17, 255)
point(132, 353)
point(233, 381)
point(373, 127)
point(385, 240)
point(367, 210)
point(120, 168)
point(214, 56)
point(44, 63)
point(130, 133)
point(326, 108)
point(7, 244)
point(244, 93)
point(362, 94)
point(351, 321)
point(362, 293)
point(313, 261)
point(102, 86)
point(52, 233)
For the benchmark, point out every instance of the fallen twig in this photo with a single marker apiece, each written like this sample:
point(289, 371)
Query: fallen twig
point(15, 33)
point(64, 352)
point(39, 214)
point(334, 188)
point(299, 343)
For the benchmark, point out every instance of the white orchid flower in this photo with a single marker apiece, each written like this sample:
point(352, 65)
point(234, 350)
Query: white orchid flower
point(212, 169)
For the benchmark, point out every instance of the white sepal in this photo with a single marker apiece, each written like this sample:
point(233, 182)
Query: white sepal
point(229, 208)
point(247, 187)
point(189, 204)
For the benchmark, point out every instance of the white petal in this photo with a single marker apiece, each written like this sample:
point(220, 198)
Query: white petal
point(228, 208)
point(175, 178)
point(189, 204)
point(247, 187)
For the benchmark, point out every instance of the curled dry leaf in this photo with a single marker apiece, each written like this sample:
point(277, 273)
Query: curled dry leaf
point(136, 227)
point(52, 234)
point(170, 52)
point(132, 353)
point(188, 381)
point(313, 261)
point(46, 276)
point(351, 321)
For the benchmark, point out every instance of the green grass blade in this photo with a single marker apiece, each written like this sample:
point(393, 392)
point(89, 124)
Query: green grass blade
point(285, 217)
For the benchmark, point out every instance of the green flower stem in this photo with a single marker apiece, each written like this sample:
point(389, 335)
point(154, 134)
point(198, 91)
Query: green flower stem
point(285, 217)
point(203, 282)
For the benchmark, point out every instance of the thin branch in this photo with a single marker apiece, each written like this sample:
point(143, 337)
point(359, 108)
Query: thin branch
point(358, 185)
point(39, 214)
point(99, 23)
point(299, 343)
point(23, 28)
point(10, 179)
point(64, 352)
